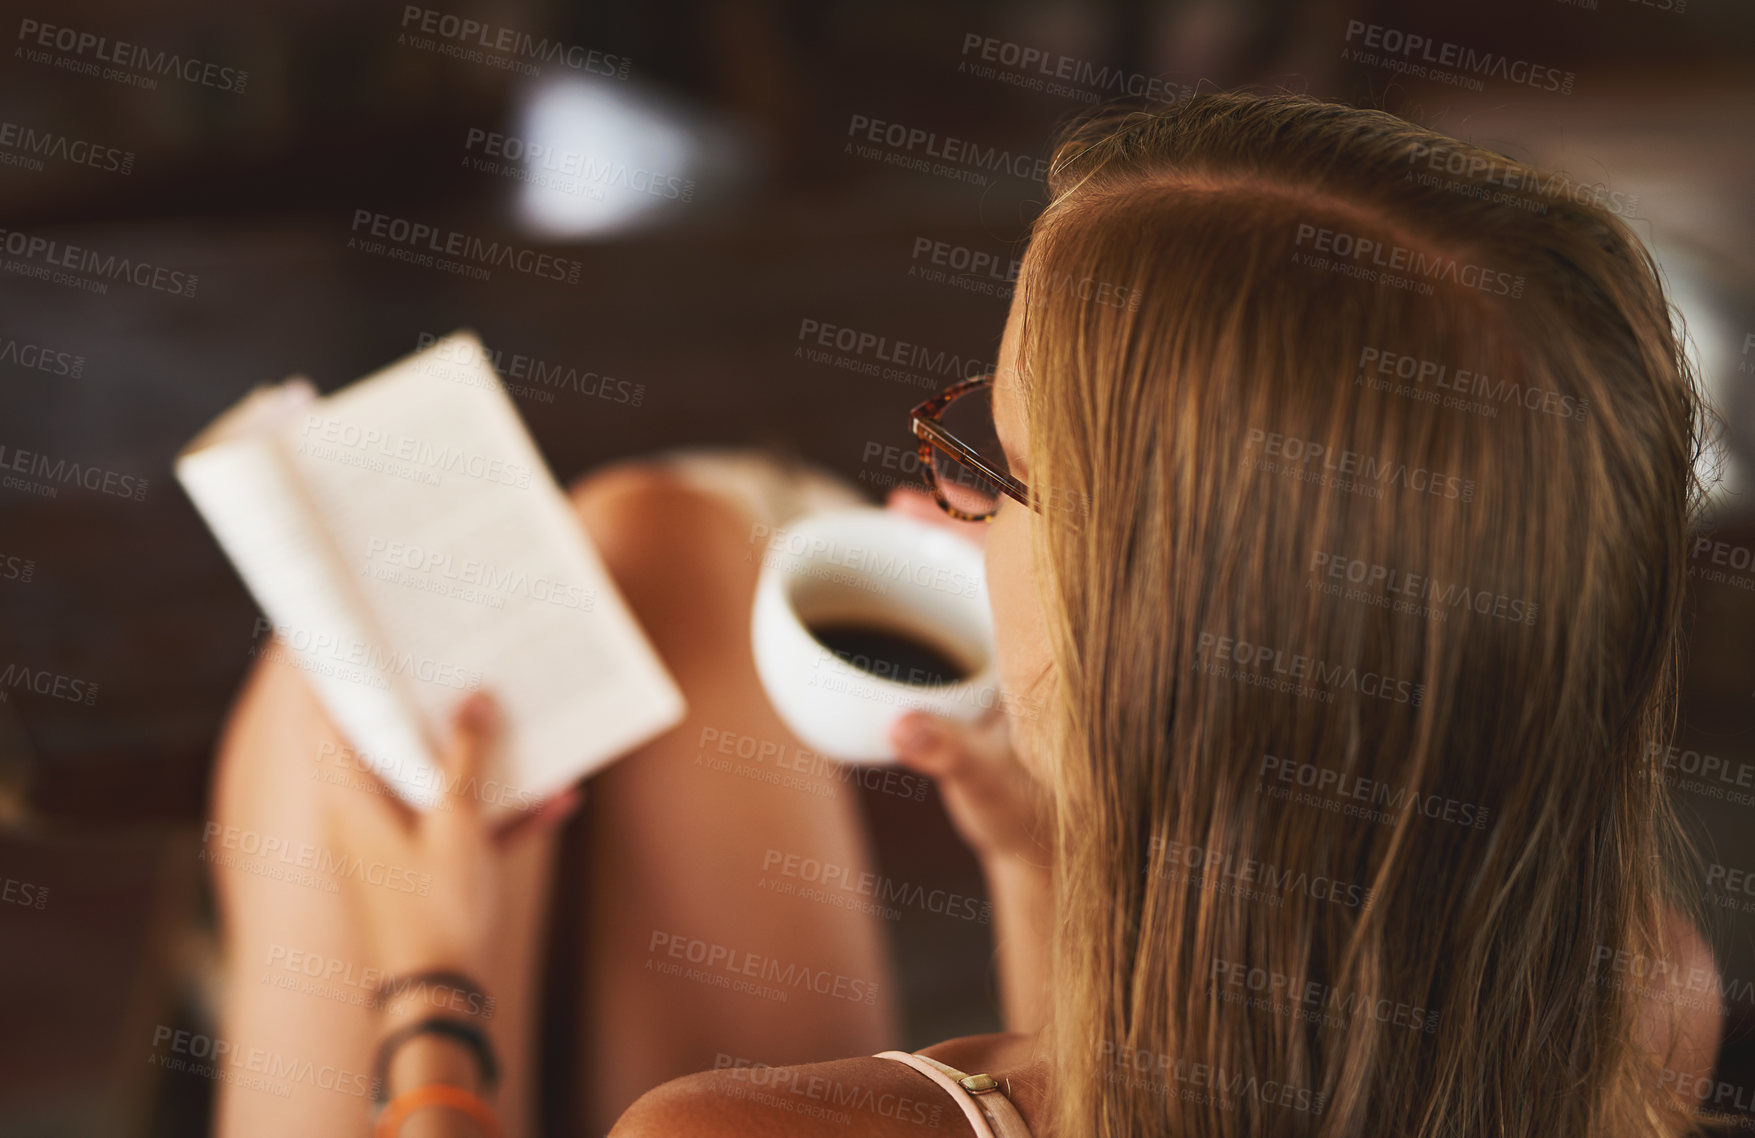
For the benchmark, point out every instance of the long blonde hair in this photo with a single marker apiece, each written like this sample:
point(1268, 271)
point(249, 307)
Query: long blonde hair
point(1365, 634)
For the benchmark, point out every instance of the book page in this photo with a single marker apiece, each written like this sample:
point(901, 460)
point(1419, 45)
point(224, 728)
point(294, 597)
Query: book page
point(247, 492)
point(476, 570)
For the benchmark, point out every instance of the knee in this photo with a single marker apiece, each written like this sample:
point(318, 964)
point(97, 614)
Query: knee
point(670, 547)
point(275, 710)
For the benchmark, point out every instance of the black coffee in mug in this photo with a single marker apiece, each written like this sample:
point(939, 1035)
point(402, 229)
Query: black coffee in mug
point(888, 654)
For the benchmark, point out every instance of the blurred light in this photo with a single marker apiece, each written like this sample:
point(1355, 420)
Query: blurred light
point(604, 156)
point(1711, 345)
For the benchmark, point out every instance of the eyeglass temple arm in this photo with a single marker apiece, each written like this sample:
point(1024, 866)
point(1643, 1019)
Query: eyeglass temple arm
point(936, 434)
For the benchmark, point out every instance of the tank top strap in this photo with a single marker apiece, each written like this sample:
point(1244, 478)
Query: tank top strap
point(989, 1112)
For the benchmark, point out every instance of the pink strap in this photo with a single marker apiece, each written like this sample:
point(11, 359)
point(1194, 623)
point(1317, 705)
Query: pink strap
point(963, 1098)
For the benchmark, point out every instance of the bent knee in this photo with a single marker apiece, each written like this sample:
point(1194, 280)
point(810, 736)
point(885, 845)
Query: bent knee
point(275, 721)
point(651, 527)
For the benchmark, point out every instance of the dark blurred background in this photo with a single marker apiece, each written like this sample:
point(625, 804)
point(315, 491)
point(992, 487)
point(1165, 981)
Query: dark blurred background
point(711, 165)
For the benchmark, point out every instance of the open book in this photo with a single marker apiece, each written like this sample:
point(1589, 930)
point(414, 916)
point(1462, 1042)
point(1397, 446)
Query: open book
point(407, 544)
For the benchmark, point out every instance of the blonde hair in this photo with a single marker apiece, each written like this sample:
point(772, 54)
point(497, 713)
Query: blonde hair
point(1339, 849)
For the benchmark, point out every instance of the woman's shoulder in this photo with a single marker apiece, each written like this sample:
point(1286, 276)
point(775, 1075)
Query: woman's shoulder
point(864, 1097)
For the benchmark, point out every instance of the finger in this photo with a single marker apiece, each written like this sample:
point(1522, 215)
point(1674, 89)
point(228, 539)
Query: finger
point(948, 748)
point(544, 817)
point(473, 728)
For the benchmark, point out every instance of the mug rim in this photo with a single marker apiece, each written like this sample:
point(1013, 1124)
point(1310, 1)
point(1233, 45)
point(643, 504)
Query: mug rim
point(783, 579)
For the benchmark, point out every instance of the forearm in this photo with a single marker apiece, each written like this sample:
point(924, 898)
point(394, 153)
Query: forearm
point(1023, 920)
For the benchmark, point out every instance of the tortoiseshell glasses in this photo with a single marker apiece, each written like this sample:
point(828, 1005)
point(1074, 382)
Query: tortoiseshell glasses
point(960, 454)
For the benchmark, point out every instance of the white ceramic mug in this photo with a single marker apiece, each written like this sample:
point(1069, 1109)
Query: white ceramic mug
point(873, 567)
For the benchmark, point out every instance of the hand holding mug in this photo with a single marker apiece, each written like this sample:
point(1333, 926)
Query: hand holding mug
point(997, 806)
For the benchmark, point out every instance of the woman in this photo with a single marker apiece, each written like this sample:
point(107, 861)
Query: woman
point(1348, 585)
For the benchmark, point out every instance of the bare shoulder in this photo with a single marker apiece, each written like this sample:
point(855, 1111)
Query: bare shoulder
point(1015, 1060)
point(865, 1097)
point(1685, 1034)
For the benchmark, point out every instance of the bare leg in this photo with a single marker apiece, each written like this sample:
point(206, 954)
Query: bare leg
point(676, 851)
point(680, 836)
point(315, 1034)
